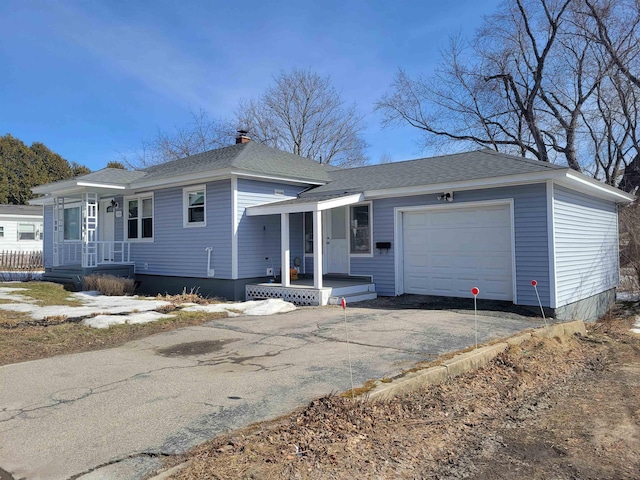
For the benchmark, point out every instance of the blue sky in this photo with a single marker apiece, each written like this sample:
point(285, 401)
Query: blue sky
point(92, 79)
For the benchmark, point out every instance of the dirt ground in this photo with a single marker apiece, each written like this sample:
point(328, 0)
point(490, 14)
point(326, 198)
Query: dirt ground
point(545, 409)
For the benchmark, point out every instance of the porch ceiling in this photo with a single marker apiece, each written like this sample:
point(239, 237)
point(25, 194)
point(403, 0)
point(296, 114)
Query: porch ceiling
point(314, 204)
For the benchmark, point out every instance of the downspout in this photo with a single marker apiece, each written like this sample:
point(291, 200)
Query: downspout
point(210, 271)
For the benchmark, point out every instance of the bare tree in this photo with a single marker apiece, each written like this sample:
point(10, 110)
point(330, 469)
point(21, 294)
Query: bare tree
point(201, 134)
point(304, 114)
point(534, 81)
point(617, 29)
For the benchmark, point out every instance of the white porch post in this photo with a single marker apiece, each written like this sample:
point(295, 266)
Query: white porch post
point(90, 229)
point(317, 249)
point(285, 254)
point(58, 231)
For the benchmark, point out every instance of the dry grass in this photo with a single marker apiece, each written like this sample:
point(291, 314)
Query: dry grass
point(109, 285)
point(187, 297)
point(34, 342)
point(45, 293)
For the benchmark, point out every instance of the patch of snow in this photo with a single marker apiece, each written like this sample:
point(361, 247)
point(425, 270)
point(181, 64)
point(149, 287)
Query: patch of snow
point(93, 304)
point(18, 276)
point(253, 307)
point(6, 293)
point(636, 326)
point(105, 321)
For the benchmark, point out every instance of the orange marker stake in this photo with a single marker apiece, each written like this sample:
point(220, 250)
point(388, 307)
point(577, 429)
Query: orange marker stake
point(475, 291)
point(343, 303)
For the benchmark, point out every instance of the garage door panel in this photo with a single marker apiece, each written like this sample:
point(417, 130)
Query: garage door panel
point(441, 261)
point(450, 251)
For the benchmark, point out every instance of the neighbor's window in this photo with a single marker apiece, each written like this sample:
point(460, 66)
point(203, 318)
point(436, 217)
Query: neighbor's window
point(308, 232)
point(140, 218)
point(72, 223)
point(360, 231)
point(195, 206)
point(26, 231)
point(1, 231)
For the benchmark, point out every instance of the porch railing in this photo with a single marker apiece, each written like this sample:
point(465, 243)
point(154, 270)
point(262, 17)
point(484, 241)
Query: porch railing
point(91, 254)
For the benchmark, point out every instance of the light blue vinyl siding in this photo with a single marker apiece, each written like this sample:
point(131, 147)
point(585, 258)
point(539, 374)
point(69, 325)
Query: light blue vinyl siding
point(259, 237)
point(586, 245)
point(179, 251)
point(47, 244)
point(531, 241)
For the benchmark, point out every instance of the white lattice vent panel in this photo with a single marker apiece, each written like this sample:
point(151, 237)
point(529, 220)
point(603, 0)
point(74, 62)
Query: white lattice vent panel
point(297, 296)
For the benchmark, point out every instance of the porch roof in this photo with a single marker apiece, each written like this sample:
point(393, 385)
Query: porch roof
point(315, 204)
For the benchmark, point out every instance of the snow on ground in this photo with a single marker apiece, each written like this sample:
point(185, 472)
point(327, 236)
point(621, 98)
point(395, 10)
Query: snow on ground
point(105, 321)
point(93, 304)
point(636, 326)
point(6, 293)
point(253, 307)
point(100, 311)
point(19, 276)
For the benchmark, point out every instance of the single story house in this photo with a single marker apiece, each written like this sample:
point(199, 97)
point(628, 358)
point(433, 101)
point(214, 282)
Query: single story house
point(20, 228)
point(239, 221)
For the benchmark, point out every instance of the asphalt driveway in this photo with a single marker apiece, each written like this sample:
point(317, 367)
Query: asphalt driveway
point(114, 413)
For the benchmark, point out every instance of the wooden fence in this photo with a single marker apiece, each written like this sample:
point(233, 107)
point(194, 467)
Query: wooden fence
point(20, 260)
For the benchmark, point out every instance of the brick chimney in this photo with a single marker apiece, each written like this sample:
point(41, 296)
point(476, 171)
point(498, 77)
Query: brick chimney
point(242, 137)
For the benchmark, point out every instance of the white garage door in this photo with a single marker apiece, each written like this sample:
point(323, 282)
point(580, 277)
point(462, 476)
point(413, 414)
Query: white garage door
point(449, 251)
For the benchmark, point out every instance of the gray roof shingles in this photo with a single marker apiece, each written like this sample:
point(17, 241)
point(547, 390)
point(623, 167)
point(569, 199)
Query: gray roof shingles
point(8, 209)
point(458, 167)
point(262, 160)
point(251, 156)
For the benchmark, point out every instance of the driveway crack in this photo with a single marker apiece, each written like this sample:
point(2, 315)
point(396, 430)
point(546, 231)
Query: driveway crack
point(119, 460)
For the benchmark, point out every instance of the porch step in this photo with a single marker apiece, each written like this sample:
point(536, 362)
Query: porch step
point(353, 298)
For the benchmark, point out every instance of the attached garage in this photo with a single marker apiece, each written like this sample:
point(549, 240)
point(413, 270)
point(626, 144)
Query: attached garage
point(449, 249)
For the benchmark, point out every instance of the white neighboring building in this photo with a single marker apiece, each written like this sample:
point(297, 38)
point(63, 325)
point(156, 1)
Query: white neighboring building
point(20, 228)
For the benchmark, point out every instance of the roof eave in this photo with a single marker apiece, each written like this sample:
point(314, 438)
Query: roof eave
point(566, 177)
point(310, 206)
point(219, 174)
point(582, 183)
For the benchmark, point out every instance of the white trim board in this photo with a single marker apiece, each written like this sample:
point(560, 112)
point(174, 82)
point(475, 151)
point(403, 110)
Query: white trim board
point(234, 228)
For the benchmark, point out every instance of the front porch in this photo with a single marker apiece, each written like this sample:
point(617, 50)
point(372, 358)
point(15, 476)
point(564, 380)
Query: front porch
point(303, 292)
point(84, 231)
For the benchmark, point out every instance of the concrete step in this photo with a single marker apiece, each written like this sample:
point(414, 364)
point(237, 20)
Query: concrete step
point(353, 298)
point(353, 289)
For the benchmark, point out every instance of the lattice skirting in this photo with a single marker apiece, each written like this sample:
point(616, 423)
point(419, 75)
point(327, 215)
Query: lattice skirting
point(297, 296)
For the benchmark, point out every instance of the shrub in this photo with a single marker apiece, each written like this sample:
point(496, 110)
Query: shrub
point(192, 296)
point(109, 284)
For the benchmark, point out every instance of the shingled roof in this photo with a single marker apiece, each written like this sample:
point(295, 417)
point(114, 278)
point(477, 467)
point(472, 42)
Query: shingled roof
point(250, 157)
point(7, 209)
point(430, 171)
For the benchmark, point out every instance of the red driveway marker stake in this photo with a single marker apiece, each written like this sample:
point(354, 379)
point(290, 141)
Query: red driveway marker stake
point(343, 303)
point(475, 291)
point(534, 284)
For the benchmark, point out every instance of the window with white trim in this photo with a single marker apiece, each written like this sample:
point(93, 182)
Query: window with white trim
point(1, 231)
point(360, 229)
point(195, 206)
point(72, 223)
point(139, 218)
point(26, 231)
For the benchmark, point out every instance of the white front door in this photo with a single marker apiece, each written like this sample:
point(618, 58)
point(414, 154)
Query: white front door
point(106, 231)
point(336, 244)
